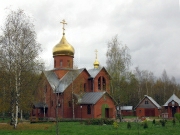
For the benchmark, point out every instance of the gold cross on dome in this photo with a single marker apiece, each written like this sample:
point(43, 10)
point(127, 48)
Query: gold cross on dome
point(96, 53)
point(63, 22)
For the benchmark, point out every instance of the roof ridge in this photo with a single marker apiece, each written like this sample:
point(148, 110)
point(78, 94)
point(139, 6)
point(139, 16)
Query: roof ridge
point(151, 99)
point(173, 97)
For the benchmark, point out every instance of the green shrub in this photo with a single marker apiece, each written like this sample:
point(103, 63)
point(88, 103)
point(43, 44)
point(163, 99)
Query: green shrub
point(145, 125)
point(108, 121)
point(163, 122)
point(99, 121)
point(128, 125)
point(177, 116)
point(87, 122)
point(115, 124)
point(174, 122)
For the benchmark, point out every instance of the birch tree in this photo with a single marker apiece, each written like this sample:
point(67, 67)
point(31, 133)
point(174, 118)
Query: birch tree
point(138, 75)
point(19, 58)
point(118, 62)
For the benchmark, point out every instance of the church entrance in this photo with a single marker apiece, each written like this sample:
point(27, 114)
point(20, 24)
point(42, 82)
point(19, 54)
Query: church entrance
point(173, 111)
point(106, 112)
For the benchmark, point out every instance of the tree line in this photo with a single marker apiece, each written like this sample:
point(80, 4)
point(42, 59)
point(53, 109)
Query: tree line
point(129, 87)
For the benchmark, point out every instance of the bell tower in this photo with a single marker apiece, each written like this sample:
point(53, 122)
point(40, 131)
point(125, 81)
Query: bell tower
point(63, 52)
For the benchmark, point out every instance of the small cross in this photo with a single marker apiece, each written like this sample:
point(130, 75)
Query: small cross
point(63, 22)
point(96, 53)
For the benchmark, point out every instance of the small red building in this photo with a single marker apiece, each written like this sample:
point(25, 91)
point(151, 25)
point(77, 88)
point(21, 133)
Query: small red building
point(148, 107)
point(74, 93)
point(127, 110)
point(172, 106)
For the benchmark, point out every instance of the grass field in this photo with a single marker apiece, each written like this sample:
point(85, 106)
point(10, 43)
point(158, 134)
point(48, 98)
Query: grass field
point(76, 128)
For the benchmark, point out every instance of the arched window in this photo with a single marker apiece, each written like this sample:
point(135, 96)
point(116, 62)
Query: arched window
point(104, 83)
point(84, 87)
point(99, 83)
point(68, 63)
point(70, 103)
point(61, 62)
point(88, 109)
point(91, 84)
point(54, 63)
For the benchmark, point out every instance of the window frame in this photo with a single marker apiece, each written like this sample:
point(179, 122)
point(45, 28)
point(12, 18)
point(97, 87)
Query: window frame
point(99, 83)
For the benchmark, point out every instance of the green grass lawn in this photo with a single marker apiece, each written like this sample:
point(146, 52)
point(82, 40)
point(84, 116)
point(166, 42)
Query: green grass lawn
point(76, 128)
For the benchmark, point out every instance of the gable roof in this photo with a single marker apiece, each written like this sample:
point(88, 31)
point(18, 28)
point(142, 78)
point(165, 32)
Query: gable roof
point(93, 72)
point(172, 98)
point(59, 85)
point(127, 108)
point(90, 97)
point(52, 79)
point(40, 105)
point(67, 79)
point(152, 100)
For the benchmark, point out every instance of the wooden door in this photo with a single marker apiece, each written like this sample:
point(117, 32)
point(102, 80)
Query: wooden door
point(106, 112)
point(173, 111)
point(149, 112)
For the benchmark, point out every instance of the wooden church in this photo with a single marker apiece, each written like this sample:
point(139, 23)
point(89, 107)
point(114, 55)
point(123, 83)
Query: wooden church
point(73, 93)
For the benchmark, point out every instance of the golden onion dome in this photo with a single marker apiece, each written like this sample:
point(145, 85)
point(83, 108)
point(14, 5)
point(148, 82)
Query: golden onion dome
point(96, 63)
point(63, 48)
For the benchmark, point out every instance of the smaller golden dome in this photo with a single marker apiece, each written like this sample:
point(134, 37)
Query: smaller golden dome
point(96, 63)
point(63, 48)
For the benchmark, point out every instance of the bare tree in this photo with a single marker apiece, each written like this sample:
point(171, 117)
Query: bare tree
point(173, 84)
point(138, 75)
point(118, 62)
point(19, 57)
point(165, 80)
point(145, 82)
